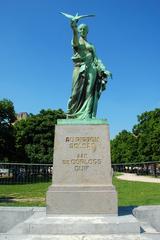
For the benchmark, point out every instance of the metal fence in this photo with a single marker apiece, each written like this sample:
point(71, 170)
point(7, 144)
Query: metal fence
point(21, 173)
point(142, 168)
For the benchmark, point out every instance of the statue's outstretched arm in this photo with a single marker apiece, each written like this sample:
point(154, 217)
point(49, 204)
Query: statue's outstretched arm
point(75, 33)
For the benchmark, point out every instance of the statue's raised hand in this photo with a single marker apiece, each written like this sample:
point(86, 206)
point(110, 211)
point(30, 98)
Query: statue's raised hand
point(73, 24)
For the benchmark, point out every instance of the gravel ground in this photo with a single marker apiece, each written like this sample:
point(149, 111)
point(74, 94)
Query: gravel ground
point(134, 177)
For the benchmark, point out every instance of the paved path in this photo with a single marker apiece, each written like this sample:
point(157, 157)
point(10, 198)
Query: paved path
point(82, 237)
point(134, 177)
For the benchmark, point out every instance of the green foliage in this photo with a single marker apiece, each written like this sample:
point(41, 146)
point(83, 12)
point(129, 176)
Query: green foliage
point(124, 148)
point(143, 144)
point(35, 136)
point(148, 136)
point(7, 113)
point(7, 117)
point(31, 140)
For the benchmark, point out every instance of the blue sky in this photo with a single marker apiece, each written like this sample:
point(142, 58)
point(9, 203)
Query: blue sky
point(35, 55)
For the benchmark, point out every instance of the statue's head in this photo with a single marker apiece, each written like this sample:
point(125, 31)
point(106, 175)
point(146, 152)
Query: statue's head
point(83, 30)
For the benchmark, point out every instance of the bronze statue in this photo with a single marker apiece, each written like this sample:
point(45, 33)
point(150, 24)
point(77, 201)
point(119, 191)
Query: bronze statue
point(89, 74)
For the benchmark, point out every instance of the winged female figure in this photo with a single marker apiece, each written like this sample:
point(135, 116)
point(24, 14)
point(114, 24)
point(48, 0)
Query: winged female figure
point(89, 74)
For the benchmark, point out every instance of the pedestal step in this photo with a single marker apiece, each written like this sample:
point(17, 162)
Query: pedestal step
point(71, 225)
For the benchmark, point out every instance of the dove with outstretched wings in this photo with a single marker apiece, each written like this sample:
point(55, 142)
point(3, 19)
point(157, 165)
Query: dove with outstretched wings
point(76, 17)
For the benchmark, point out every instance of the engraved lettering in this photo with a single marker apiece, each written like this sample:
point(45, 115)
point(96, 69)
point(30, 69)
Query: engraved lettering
point(67, 139)
point(71, 145)
point(82, 139)
point(81, 168)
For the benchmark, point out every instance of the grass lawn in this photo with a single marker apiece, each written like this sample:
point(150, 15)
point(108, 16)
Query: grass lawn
point(137, 193)
point(23, 194)
point(129, 193)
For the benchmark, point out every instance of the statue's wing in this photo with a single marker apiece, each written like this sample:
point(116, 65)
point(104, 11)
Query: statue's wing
point(84, 16)
point(67, 15)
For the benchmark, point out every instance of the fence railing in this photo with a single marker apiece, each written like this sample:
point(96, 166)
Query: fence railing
point(20, 173)
point(142, 168)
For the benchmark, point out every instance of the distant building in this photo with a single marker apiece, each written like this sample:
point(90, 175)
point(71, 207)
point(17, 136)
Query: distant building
point(22, 115)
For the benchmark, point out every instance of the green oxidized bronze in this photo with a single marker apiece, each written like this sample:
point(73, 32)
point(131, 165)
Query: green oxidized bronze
point(89, 74)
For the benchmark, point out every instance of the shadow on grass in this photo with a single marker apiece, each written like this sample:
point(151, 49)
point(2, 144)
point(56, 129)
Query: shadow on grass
point(4, 199)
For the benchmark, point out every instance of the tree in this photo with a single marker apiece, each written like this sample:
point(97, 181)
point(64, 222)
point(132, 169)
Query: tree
point(124, 148)
point(7, 118)
point(35, 136)
point(148, 135)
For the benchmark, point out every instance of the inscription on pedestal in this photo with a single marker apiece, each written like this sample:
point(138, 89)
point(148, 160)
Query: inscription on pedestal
point(82, 155)
point(82, 160)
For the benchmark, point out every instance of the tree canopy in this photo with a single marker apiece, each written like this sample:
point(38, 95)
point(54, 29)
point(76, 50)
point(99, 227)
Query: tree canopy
point(35, 136)
point(31, 140)
point(143, 144)
point(7, 118)
point(147, 132)
point(124, 148)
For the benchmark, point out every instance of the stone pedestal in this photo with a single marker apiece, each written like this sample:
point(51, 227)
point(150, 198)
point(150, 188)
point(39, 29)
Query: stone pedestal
point(82, 174)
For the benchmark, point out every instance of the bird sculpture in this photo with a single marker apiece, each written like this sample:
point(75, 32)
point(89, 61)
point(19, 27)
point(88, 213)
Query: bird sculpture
point(77, 17)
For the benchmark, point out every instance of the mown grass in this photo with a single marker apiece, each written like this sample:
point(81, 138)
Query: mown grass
point(23, 194)
point(129, 193)
point(137, 193)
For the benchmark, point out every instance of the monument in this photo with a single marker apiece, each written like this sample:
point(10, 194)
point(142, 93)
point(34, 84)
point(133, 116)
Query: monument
point(82, 177)
point(82, 198)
